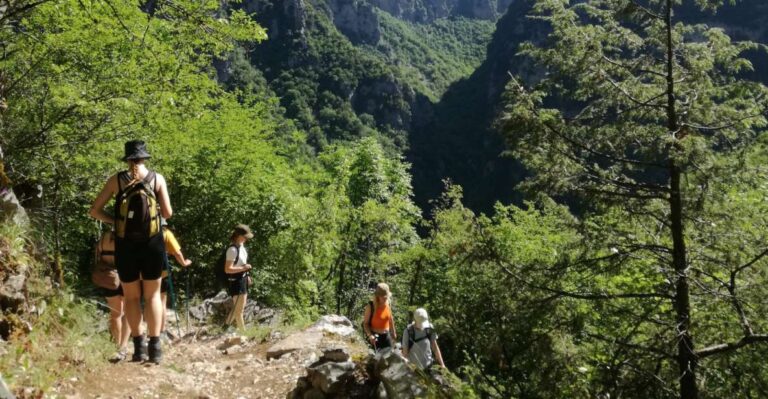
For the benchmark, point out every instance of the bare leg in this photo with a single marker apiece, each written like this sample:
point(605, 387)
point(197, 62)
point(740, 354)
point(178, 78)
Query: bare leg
point(132, 297)
point(115, 304)
point(125, 332)
point(238, 311)
point(231, 315)
point(154, 306)
point(164, 299)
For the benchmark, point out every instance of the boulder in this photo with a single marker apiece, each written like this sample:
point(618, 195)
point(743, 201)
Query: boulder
point(11, 209)
point(313, 393)
point(335, 355)
point(231, 341)
point(330, 377)
point(12, 292)
point(295, 342)
point(398, 378)
point(334, 324)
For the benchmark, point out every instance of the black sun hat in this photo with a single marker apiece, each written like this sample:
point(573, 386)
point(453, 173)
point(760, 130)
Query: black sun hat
point(136, 149)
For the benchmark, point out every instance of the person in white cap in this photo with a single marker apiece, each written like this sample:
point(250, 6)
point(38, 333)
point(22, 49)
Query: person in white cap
point(420, 341)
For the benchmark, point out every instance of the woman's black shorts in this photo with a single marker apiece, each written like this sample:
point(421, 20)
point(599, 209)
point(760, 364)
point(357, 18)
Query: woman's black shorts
point(383, 340)
point(237, 285)
point(136, 260)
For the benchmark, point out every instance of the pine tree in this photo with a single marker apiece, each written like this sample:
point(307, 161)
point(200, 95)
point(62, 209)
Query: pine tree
point(645, 120)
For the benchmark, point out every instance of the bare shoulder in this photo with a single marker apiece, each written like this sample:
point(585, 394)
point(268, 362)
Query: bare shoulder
point(112, 182)
point(160, 179)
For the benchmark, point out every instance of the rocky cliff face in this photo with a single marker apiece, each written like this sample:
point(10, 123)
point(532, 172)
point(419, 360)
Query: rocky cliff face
point(357, 20)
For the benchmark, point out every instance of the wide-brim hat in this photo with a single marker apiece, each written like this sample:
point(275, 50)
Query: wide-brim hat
point(382, 289)
point(243, 230)
point(136, 149)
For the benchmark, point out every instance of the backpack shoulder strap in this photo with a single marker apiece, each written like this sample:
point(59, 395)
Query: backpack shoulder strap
point(151, 180)
point(370, 315)
point(149, 183)
point(429, 334)
point(122, 180)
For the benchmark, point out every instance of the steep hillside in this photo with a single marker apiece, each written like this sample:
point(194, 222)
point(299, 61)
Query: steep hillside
point(459, 142)
point(346, 69)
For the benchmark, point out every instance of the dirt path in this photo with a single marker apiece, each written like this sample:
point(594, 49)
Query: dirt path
point(196, 369)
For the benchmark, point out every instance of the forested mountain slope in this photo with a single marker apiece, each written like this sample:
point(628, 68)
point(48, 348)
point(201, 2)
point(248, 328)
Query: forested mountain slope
point(345, 70)
point(459, 142)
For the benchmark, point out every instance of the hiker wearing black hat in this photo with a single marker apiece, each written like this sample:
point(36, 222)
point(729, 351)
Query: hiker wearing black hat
point(236, 267)
point(141, 198)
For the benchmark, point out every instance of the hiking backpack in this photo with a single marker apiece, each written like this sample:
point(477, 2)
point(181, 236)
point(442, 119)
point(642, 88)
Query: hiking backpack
point(370, 318)
point(104, 274)
point(221, 276)
point(136, 208)
point(411, 336)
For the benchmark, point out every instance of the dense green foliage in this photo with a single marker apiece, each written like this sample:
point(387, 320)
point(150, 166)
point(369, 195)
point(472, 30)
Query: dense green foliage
point(300, 138)
point(647, 120)
point(62, 324)
point(433, 56)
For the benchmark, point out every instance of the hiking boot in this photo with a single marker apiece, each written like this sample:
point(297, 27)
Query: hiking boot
point(139, 350)
point(155, 350)
point(119, 356)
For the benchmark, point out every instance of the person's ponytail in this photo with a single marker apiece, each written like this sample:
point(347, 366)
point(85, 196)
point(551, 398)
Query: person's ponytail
point(134, 172)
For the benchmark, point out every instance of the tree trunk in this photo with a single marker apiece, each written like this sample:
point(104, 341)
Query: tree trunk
point(686, 357)
point(340, 286)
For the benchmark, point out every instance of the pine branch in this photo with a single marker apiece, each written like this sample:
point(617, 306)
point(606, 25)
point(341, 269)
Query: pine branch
point(577, 143)
point(731, 346)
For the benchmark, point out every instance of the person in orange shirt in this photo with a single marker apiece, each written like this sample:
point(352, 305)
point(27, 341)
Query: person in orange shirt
point(378, 323)
point(173, 248)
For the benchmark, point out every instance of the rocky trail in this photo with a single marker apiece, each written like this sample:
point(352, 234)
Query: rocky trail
point(325, 361)
point(221, 366)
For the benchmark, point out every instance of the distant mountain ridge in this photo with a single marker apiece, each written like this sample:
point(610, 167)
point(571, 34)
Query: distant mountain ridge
point(426, 75)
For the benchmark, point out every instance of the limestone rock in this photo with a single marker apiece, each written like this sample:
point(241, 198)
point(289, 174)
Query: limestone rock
point(295, 342)
point(330, 377)
point(231, 341)
point(335, 355)
point(334, 324)
point(5, 393)
point(314, 393)
point(12, 295)
point(11, 209)
point(398, 378)
point(356, 20)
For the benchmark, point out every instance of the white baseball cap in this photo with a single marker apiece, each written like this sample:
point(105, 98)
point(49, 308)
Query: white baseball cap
point(421, 318)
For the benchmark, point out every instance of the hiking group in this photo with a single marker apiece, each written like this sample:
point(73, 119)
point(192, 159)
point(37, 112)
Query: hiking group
point(132, 258)
point(419, 344)
point(132, 263)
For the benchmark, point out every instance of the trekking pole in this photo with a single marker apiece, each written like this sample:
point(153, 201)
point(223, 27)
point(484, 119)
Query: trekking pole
point(187, 297)
point(173, 296)
point(173, 303)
